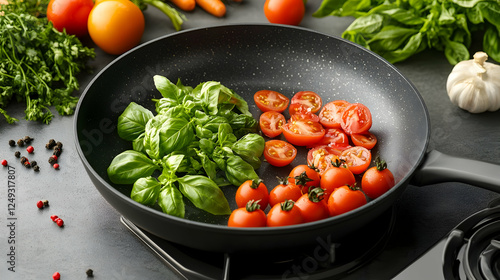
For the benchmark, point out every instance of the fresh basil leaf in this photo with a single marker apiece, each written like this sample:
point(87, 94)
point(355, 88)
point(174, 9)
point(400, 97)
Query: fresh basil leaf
point(225, 136)
point(129, 166)
point(172, 95)
point(390, 38)
point(133, 120)
point(152, 136)
point(138, 144)
point(475, 15)
point(466, 3)
point(146, 190)
point(491, 42)
point(456, 52)
point(175, 135)
point(250, 148)
point(204, 194)
point(368, 24)
point(354, 8)
point(237, 170)
point(329, 8)
point(414, 45)
point(171, 202)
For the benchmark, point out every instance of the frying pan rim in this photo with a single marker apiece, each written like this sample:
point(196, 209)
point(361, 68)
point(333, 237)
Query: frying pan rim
point(266, 230)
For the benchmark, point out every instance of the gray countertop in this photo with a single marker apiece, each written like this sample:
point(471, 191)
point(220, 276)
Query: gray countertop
point(93, 236)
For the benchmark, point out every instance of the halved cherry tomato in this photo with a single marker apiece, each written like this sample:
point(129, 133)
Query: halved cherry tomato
point(313, 206)
point(309, 98)
point(271, 122)
point(249, 216)
point(345, 199)
point(366, 139)
point(377, 180)
point(305, 177)
point(279, 153)
point(70, 15)
point(297, 108)
point(303, 132)
point(270, 100)
point(357, 159)
point(320, 157)
point(305, 116)
point(335, 177)
point(284, 214)
point(284, 191)
point(252, 190)
point(356, 118)
point(333, 136)
point(331, 114)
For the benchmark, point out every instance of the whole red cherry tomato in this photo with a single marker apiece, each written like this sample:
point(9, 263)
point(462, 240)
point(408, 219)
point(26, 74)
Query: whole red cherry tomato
point(336, 176)
point(284, 214)
point(70, 15)
point(377, 180)
point(288, 12)
point(284, 191)
point(313, 206)
point(249, 216)
point(252, 190)
point(345, 199)
point(305, 177)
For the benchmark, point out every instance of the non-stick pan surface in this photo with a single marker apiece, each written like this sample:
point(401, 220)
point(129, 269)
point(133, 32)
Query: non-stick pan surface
point(247, 58)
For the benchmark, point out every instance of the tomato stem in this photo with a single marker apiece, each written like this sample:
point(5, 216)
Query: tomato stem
point(287, 205)
point(381, 164)
point(252, 205)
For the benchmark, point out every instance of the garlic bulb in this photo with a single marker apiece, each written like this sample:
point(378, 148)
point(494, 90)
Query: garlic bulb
point(474, 85)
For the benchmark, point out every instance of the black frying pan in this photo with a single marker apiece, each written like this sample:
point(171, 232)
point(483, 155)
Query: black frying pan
point(247, 58)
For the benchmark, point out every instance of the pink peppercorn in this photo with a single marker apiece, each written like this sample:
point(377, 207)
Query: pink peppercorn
point(56, 276)
point(4, 162)
point(56, 165)
point(59, 222)
point(54, 218)
point(30, 149)
point(39, 204)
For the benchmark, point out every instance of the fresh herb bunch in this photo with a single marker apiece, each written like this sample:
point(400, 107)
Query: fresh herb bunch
point(399, 29)
point(38, 64)
point(200, 139)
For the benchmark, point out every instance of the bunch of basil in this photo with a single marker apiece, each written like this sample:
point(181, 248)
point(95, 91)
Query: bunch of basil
point(199, 140)
point(398, 29)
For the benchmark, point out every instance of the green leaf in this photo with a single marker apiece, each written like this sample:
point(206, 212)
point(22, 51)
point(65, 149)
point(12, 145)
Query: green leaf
point(390, 38)
point(367, 24)
point(456, 52)
point(129, 166)
point(250, 148)
point(491, 42)
point(204, 194)
point(238, 171)
point(467, 3)
point(414, 45)
point(132, 122)
point(171, 202)
point(146, 190)
point(329, 8)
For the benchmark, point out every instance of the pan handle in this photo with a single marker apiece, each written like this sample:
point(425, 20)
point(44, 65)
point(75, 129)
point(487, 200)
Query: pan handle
point(438, 168)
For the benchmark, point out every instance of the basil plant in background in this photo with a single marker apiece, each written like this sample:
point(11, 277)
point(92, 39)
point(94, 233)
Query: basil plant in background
point(399, 29)
point(200, 139)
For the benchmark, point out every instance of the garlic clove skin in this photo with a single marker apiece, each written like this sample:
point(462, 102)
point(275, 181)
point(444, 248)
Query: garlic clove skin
point(474, 85)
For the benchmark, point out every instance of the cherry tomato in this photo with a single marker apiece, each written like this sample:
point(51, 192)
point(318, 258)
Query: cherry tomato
point(366, 139)
point(304, 116)
point(335, 177)
point(331, 114)
point(357, 158)
point(249, 216)
point(356, 118)
point(345, 199)
point(303, 132)
point(252, 190)
point(298, 108)
point(320, 157)
point(284, 191)
point(377, 180)
point(333, 136)
point(279, 153)
point(288, 12)
point(305, 177)
point(271, 122)
point(284, 214)
point(310, 99)
point(270, 100)
point(313, 206)
point(116, 26)
point(70, 15)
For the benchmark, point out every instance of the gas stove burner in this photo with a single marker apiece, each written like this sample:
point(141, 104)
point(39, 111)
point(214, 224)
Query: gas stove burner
point(472, 250)
point(325, 260)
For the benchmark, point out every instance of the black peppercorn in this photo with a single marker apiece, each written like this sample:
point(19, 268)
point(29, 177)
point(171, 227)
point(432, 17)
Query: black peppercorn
point(24, 159)
point(33, 163)
point(17, 154)
point(27, 164)
point(12, 143)
point(50, 144)
point(90, 273)
point(57, 151)
point(20, 143)
point(59, 144)
point(27, 139)
point(36, 168)
point(52, 160)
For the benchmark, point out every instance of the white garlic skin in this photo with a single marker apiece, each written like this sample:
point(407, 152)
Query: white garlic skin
point(474, 85)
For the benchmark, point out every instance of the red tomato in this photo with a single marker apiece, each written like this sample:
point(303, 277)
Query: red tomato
point(271, 122)
point(333, 136)
point(279, 153)
point(305, 116)
point(249, 216)
point(116, 26)
point(345, 199)
point(320, 157)
point(270, 100)
point(331, 114)
point(284, 191)
point(309, 98)
point(252, 190)
point(298, 108)
point(366, 139)
point(71, 15)
point(288, 12)
point(313, 206)
point(356, 118)
point(357, 158)
point(303, 132)
point(377, 180)
point(305, 177)
point(336, 177)
point(284, 214)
